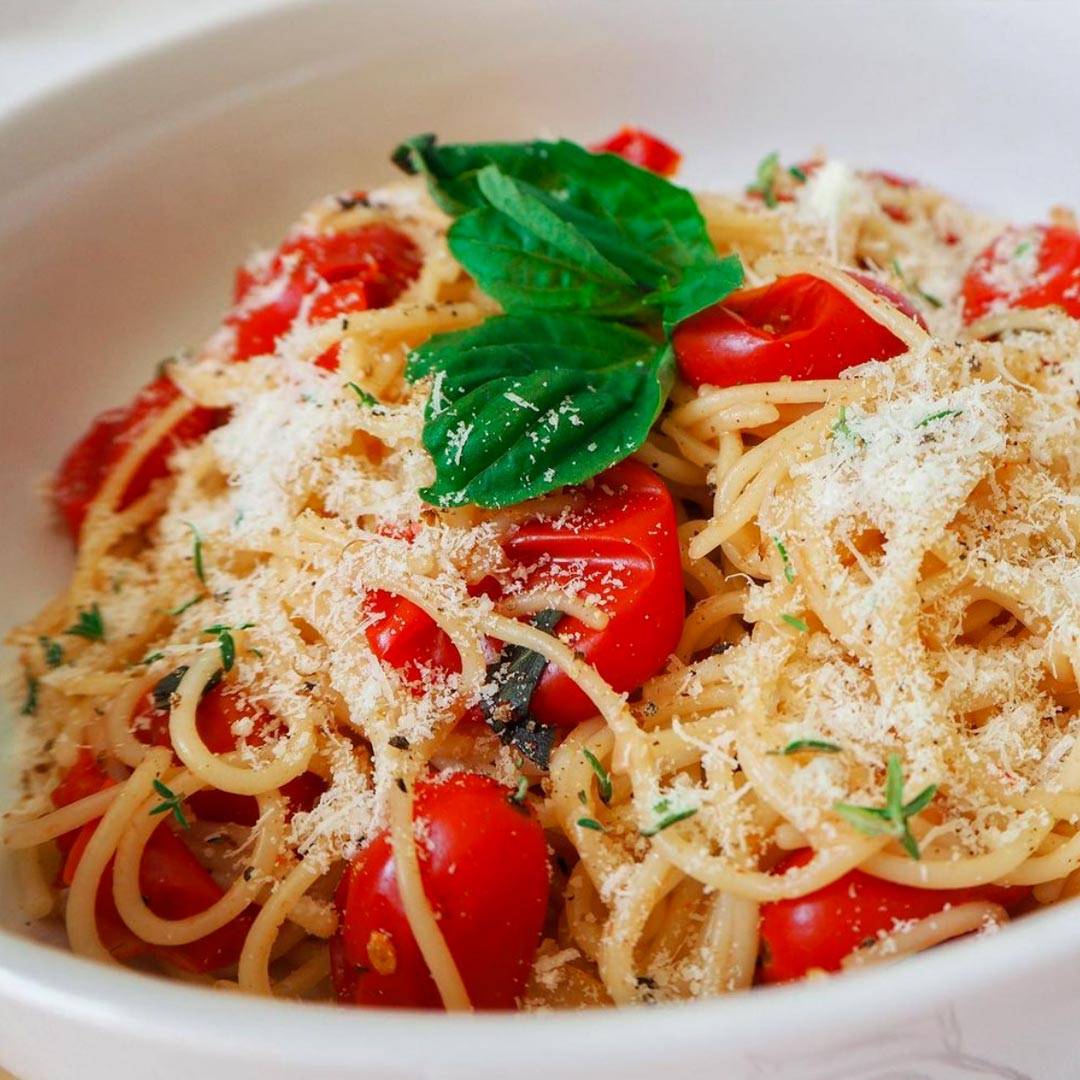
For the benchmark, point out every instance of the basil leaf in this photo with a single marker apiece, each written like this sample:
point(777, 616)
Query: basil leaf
point(521, 406)
point(701, 286)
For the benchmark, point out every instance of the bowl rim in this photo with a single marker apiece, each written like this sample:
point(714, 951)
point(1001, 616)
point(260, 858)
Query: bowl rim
point(109, 997)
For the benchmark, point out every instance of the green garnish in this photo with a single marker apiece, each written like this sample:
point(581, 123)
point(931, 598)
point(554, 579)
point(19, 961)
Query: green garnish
point(939, 416)
point(154, 656)
point(196, 554)
point(808, 746)
point(789, 570)
point(170, 804)
point(670, 817)
point(518, 796)
point(590, 823)
point(30, 703)
point(603, 779)
point(1022, 249)
point(226, 642)
point(798, 624)
point(797, 173)
point(765, 186)
point(53, 650)
point(183, 607)
point(842, 430)
point(90, 626)
point(892, 818)
point(594, 262)
point(913, 286)
point(365, 398)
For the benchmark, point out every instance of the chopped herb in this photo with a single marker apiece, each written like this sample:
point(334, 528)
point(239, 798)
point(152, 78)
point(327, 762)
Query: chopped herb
point(765, 186)
point(90, 626)
point(841, 429)
point(913, 286)
point(256, 652)
point(53, 650)
point(363, 395)
point(789, 570)
point(583, 798)
point(196, 554)
point(1022, 249)
point(226, 642)
point(171, 804)
point(30, 703)
point(167, 685)
point(798, 624)
point(515, 676)
point(939, 416)
point(152, 658)
point(808, 746)
point(670, 817)
point(517, 797)
point(892, 819)
point(590, 823)
point(797, 173)
point(183, 607)
point(603, 779)
point(399, 742)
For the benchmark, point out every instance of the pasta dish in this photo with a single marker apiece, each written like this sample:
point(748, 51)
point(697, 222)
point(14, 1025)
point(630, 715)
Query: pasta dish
point(549, 588)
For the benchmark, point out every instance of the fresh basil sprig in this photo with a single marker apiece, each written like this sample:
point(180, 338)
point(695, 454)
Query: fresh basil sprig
point(570, 243)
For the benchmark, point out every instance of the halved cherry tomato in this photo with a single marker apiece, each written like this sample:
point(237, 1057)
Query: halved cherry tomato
point(89, 462)
point(640, 148)
point(1025, 268)
point(484, 868)
point(352, 270)
point(797, 327)
point(217, 715)
point(619, 550)
point(817, 931)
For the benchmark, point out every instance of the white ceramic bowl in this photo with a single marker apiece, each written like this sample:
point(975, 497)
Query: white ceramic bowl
point(126, 199)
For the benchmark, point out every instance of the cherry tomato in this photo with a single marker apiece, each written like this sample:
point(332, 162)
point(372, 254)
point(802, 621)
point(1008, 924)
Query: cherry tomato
point(217, 715)
point(484, 868)
point(88, 463)
point(798, 327)
point(1025, 268)
point(353, 270)
point(620, 551)
point(640, 148)
point(817, 931)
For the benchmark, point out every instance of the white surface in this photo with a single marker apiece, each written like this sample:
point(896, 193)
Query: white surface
point(124, 203)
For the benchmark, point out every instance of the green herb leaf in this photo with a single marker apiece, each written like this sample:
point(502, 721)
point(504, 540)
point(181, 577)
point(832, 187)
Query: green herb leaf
point(789, 570)
point(152, 658)
point(171, 804)
point(183, 607)
point(808, 746)
point(90, 626)
point(699, 287)
point(939, 416)
point(842, 430)
point(365, 398)
point(797, 173)
point(53, 650)
point(913, 286)
point(603, 779)
point(226, 642)
point(892, 819)
point(765, 186)
point(196, 554)
point(524, 405)
point(518, 795)
point(668, 819)
point(797, 624)
point(590, 823)
point(30, 702)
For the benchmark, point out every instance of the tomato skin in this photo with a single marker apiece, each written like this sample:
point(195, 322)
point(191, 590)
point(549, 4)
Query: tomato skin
point(484, 867)
point(798, 327)
point(1056, 279)
point(87, 465)
point(626, 531)
point(352, 270)
point(819, 930)
point(639, 147)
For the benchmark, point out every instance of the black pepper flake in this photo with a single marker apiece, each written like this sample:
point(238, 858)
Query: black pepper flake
point(401, 784)
point(249, 873)
point(350, 202)
point(399, 742)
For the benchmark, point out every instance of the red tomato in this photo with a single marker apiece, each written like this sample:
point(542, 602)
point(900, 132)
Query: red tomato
point(354, 270)
point(484, 868)
point(619, 551)
point(89, 462)
point(797, 327)
point(640, 148)
point(1025, 268)
point(819, 930)
point(215, 718)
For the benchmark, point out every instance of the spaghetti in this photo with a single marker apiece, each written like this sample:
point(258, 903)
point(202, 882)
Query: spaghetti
point(876, 674)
